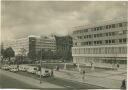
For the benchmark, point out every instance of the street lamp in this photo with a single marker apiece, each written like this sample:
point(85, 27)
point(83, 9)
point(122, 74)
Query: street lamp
point(40, 66)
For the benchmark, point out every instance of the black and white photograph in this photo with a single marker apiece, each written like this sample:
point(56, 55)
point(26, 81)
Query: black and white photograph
point(63, 45)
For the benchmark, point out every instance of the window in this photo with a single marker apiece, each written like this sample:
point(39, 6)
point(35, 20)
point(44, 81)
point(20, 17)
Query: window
point(124, 31)
point(94, 42)
point(97, 42)
point(100, 42)
point(107, 26)
point(89, 43)
point(120, 25)
point(110, 41)
point(80, 37)
point(85, 30)
point(124, 40)
point(97, 28)
point(97, 35)
point(110, 33)
point(113, 25)
point(113, 33)
point(89, 36)
point(100, 28)
point(106, 41)
point(100, 34)
point(106, 34)
point(120, 40)
point(94, 35)
point(113, 41)
point(84, 36)
point(94, 29)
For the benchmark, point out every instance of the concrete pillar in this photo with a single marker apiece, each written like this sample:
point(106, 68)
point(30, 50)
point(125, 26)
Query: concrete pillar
point(65, 65)
point(93, 66)
point(78, 66)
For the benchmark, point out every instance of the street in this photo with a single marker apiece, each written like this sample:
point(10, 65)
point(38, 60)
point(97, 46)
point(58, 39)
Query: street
point(8, 82)
point(70, 84)
point(63, 82)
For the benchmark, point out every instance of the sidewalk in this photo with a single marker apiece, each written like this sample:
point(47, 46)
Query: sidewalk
point(106, 65)
point(107, 79)
point(29, 80)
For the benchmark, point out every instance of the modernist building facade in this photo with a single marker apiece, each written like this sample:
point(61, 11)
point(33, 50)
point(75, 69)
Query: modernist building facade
point(103, 42)
point(32, 45)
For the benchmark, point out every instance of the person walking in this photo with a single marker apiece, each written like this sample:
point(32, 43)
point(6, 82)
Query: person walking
point(118, 65)
point(83, 75)
point(123, 86)
point(52, 73)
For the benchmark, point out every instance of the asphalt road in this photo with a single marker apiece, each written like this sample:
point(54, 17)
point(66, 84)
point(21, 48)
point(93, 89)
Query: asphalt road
point(71, 84)
point(8, 82)
point(63, 82)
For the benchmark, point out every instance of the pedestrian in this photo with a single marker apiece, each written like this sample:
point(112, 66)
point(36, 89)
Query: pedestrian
point(83, 75)
point(52, 73)
point(57, 68)
point(123, 86)
point(91, 64)
point(118, 66)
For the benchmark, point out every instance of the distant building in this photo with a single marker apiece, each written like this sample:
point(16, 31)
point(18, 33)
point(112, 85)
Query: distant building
point(31, 45)
point(104, 42)
point(63, 47)
point(48, 46)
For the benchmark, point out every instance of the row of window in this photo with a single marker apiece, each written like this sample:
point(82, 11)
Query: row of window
point(101, 50)
point(102, 34)
point(101, 42)
point(88, 60)
point(118, 25)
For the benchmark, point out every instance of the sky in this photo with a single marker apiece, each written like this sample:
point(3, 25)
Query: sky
point(23, 18)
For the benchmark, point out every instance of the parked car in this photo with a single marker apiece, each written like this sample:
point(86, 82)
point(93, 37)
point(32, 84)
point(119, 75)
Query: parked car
point(14, 68)
point(32, 69)
point(23, 68)
point(5, 67)
point(44, 72)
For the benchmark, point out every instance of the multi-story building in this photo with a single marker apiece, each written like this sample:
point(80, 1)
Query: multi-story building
point(48, 46)
point(63, 47)
point(31, 45)
point(103, 42)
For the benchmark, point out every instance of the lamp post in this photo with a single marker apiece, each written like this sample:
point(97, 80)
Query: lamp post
point(40, 66)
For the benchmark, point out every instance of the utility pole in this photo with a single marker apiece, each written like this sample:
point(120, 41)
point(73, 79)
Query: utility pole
point(40, 66)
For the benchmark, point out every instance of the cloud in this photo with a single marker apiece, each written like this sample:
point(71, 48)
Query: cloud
point(23, 18)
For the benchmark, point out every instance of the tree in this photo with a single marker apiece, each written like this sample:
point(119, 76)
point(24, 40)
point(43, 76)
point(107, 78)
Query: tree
point(2, 52)
point(9, 52)
point(2, 55)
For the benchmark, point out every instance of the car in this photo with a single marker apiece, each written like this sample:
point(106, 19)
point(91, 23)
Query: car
point(60, 61)
point(44, 72)
point(32, 69)
point(5, 67)
point(14, 68)
point(23, 68)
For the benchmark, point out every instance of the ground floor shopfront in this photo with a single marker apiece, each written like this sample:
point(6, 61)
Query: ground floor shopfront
point(110, 60)
point(100, 54)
